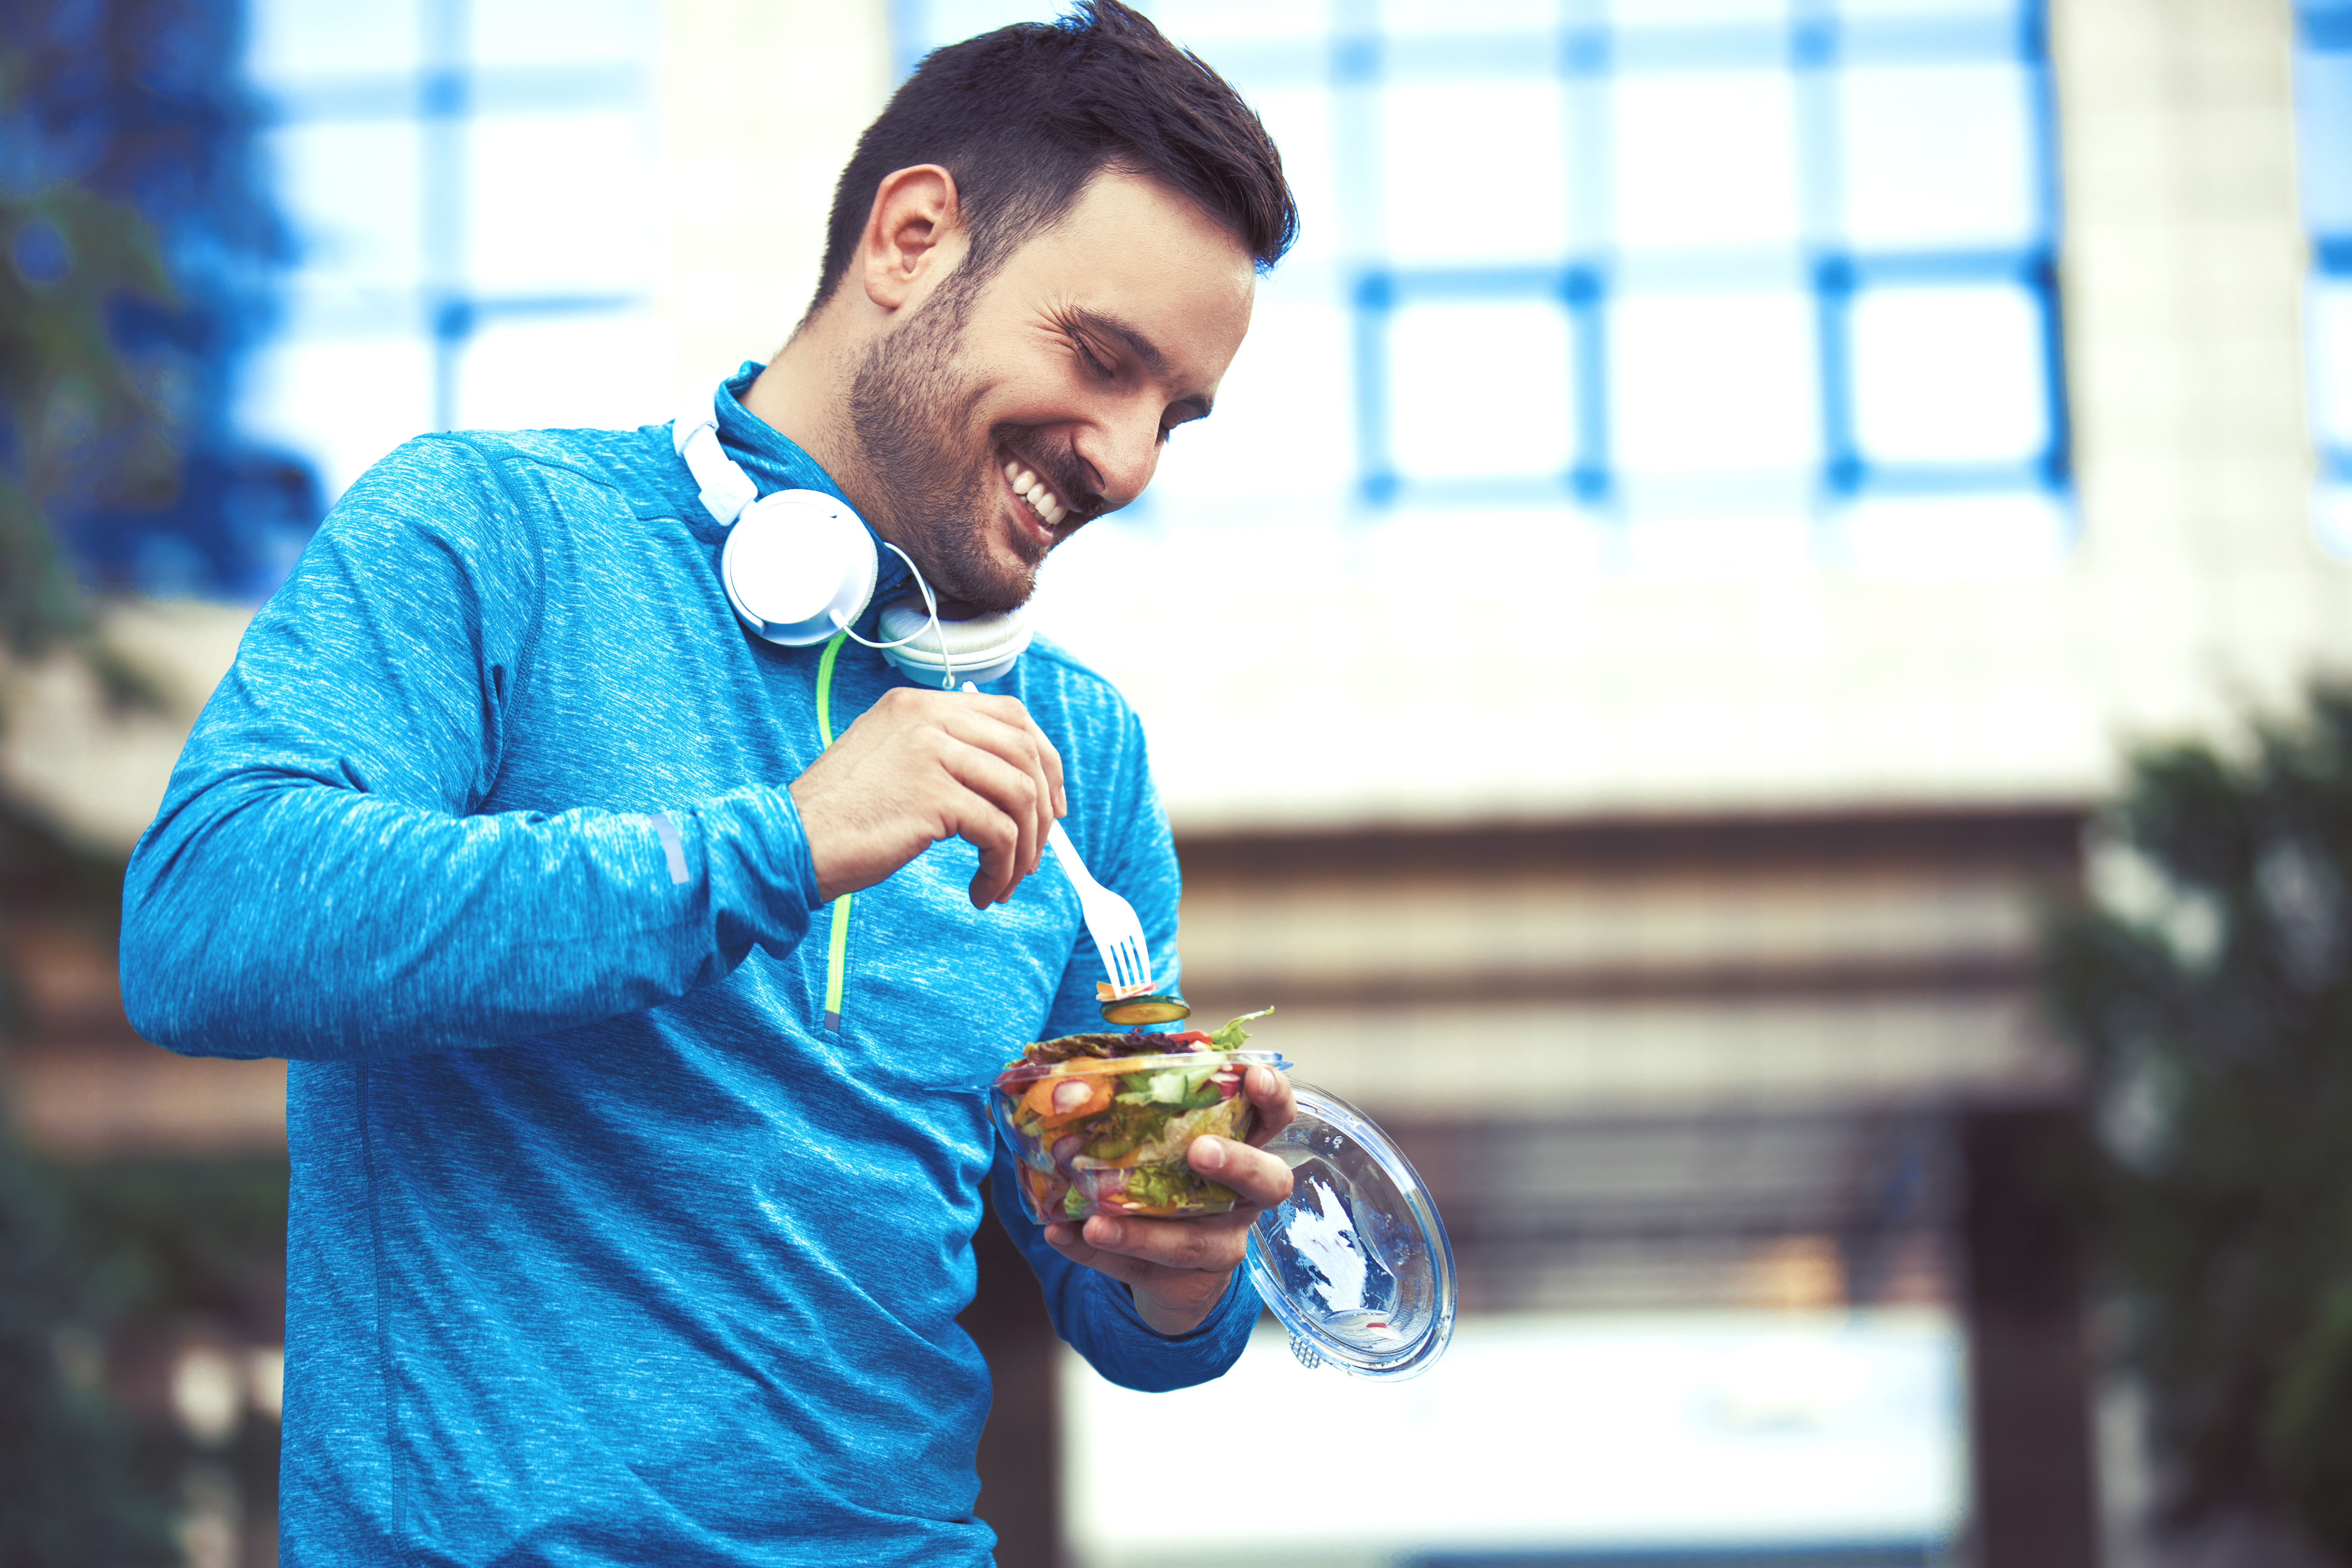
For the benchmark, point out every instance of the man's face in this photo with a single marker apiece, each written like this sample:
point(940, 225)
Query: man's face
point(994, 423)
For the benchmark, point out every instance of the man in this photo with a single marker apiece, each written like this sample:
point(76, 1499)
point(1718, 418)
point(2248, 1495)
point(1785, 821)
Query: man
point(633, 1191)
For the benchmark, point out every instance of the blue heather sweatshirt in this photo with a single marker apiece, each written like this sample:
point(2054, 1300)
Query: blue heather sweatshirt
point(604, 1249)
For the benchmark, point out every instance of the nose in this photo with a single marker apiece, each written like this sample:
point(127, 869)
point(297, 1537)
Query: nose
point(1122, 453)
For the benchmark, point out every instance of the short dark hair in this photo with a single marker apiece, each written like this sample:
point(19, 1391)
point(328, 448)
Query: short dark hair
point(1024, 117)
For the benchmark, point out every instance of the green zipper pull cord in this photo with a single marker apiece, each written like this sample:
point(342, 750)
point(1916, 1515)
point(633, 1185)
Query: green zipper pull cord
point(838, 958)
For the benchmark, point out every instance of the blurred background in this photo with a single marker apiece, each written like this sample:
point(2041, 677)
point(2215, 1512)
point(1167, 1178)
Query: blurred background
point(1693, 574)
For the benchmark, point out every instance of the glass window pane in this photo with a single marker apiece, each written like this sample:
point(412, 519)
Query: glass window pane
point(1453, 16)
point(541, 32)
point(351, 193)
point(2330, 314)
point(1480, 389)
point(1948, 376)
point(1937, 10)
point(1202, 23)
point(1474, 171)
point(606, 371)
point(1299, 120)
point(931, 23)
point(300, 40)
point(1685, 13)
point(1285, 425)
point(342, 402)
point(2332, 516)
point(1703, 158)
point(555, 204)
point(2323, 109)
point(1937, 156)
point(1709, 384)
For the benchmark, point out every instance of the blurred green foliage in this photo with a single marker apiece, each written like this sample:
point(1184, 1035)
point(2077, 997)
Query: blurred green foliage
point(80, 419)
point(141, 258)
point(2210, 989)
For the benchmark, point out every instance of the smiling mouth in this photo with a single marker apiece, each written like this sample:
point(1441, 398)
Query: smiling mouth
point(1039, 496)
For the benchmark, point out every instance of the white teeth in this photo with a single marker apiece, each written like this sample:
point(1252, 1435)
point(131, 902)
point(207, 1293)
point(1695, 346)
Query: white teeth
point(1032, 490)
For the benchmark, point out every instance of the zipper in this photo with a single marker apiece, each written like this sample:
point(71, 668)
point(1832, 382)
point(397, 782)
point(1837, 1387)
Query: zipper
point(837, 957)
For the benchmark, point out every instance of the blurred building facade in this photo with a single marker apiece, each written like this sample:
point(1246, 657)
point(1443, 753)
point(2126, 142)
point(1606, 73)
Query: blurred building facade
point(1655, 845)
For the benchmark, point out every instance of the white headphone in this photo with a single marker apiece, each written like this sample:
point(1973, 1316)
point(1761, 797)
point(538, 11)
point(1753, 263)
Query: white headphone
point(800, 566)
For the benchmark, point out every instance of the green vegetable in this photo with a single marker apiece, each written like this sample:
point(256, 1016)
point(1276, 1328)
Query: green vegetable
point(1117, 1130)
point(1133, 1010)
point(1169, 1185)
point(1232, 1036)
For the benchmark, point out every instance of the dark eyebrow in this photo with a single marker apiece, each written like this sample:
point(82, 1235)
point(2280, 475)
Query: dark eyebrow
point(1142, 348)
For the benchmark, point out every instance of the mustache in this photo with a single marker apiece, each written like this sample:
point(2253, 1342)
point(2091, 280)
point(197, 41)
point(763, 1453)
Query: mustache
point(1062, 471)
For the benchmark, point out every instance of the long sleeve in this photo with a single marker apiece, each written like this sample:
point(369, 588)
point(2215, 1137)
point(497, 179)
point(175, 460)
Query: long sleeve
point(323, 882)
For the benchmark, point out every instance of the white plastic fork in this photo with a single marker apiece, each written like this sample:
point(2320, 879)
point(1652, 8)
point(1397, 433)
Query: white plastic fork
point(1110, 921)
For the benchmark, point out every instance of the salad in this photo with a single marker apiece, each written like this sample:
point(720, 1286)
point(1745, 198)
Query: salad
point(1101, 1123)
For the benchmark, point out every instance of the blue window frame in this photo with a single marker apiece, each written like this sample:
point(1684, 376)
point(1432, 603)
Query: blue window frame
point(468, 182)
point(2324, 114)
point(1726, 277)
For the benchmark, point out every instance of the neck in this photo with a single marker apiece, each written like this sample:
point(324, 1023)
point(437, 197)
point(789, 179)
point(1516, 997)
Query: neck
point(804, 394)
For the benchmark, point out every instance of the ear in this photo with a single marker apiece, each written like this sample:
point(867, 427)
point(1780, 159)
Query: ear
point(914, 236)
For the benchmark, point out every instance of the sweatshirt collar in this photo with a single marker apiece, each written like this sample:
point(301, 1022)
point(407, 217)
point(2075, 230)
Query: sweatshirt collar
point(776, 462)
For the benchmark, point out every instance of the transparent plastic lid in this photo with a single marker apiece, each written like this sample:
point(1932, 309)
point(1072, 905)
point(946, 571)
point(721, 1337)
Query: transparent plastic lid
point(1356, 1264)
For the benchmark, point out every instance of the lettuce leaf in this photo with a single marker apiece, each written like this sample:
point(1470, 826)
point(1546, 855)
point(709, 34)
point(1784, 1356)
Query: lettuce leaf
point(1232, 1036)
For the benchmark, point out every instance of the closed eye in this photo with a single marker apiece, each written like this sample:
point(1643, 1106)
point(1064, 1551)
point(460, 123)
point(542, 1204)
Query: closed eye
point(1086, 352)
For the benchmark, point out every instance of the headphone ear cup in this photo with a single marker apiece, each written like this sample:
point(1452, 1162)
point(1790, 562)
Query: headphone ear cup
point(978, 650)
point(798, 566)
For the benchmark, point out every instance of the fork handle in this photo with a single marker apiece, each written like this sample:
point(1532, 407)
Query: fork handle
point(1071, 864)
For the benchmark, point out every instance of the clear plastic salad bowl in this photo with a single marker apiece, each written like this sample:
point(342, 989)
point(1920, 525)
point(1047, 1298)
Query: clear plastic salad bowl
point(1110, 1135)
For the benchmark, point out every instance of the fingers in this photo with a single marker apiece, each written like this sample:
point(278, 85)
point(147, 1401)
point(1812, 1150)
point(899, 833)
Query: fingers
point(1205, 1244)
point(1212, 1243)
point(1177, 1269)
point(1263, 1181)
point(919, 766)
point(1277, 1107)
point(1014, 767)
point(1001, 817)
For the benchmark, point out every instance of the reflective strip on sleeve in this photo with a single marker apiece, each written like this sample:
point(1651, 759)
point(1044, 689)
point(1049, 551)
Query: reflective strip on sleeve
point(673, 847)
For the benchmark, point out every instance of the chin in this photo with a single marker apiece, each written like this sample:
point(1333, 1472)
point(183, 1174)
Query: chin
point(989, 587)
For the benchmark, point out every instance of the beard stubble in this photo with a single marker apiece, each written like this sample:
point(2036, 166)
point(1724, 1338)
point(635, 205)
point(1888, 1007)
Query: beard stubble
point(909, 402)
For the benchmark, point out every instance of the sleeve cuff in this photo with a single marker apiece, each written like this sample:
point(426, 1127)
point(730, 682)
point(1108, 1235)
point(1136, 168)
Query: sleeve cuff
point(1141, 1357)
point(762, 880)
point(1238, 1291)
